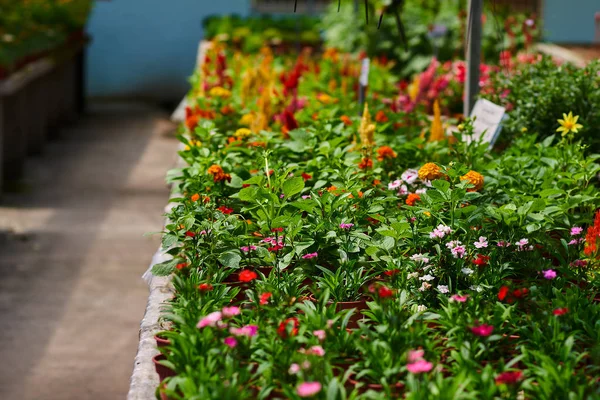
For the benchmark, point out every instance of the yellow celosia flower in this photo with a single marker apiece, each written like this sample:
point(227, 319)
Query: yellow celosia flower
point(366, 129)
point(243, 133)
point(569, 124)
point(475, 179)
point(219, 92)
point(437, 129)
point(413, 89)
point(429, 172)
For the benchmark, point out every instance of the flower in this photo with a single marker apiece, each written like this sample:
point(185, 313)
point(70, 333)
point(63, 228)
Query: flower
point(576, 230)
point(443, 289)
point(568, 124)
point(181, 266)
point(247, 330)
point(509, 377)
point(243, 133)
point(503, 292)
point(592, 235)
point(247, 249)
point(308, 389)
point(320, 334)
point(482, 330)
point(466, 271)
point(316, 351)
point(481, 260)
point(229, 312)
point(503, 243)
point(420, 258)
point(385, 152)
point(247, 275)
point(365, 163)
point(220, 92)
point(410, 176)
point(391, 272)
point(459, 298)
point(475, 179)
point(429, 172)
point(294, 369)
point(190, 234)
point(440, 231)
point(210, 320)
point(264, 298)
point(427, 278)
point(218, 174)
point(310, 255)
point(415, 355)
point(381, 117)
point(385, 292)
point(549, 274)
point(412, 199)
point(346, 120)
point(395, 184)
point(306, 176)
point(481, 243)
point(459, 252)
point(195, 197)
point(230, 341)
point(283, 330)
point(346, 226)
point(419, 366)
point(225, 210)
point(205, 287)
point(560, 311)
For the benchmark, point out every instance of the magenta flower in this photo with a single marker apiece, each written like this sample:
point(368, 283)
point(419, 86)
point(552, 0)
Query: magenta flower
point(346, 226)
point(230, 312)
point(210, 320)
point(415, 355)
point(248, 330)
point(310, 255)
point(576, 230)
point(308, 389)
point(230, 341)
point(549, 274)
point(482, 330)
point(459, 298)
point(247, 249)
point(320, 334)
point(419, 366)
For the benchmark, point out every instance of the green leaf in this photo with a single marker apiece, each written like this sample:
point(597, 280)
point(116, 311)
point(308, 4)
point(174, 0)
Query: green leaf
point(165, 268)
point(169, 240)
point(230, 260)
point(441, 184)
point(293, 186)
point(248, 194)
point(188, 221)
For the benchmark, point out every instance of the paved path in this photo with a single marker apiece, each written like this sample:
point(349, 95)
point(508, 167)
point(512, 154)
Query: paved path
point(72, 252)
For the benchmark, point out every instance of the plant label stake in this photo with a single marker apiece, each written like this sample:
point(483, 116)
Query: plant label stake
point(473, 54)
point(488, 122)
point(363, 82)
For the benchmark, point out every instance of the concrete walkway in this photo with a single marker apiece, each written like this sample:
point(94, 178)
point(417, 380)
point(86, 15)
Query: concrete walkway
point(72, 253)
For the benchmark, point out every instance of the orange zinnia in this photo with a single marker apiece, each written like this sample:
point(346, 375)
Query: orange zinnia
point(346, 120)
point(365, 163)
point(412, 199)
point(385, 152)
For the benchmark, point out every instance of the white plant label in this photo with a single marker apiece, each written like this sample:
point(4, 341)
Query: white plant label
point(364, 72)
point(488, 122)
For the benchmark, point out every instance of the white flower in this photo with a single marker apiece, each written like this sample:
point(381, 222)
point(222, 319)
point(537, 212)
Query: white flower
point(403, 191)
point(424, 286)
point(394, 185)
point(421, 191)
point(481, 243)
point(452, 244)
point(427, 278)
point(421, 308)
point(410, 176)
point(476, 288)
point(443, 289)
point(420, 258)
point(467, 271)
point(412, 275)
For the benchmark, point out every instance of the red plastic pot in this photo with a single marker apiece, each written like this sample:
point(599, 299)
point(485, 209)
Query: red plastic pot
point(162, 371)
point(357, 306)
point(161, 342)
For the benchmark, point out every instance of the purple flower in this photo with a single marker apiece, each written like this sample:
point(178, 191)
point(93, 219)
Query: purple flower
point(310, 255)
point(576, 230)
point(346, 226)
point(549, 274)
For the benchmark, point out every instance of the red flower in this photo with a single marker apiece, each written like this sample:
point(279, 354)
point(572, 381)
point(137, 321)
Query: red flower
point(385, 292)
point(277, 230)
point(190, 234)
point(264, 298)
point(385, 152)
point(225, 210)
point(509, 377)
point(247, 275)
point(306, 176)
point(502, 293)
point(277, 247)
point(205, 287)
point(560, 311)
point(592, 235)
point(365, 163)
point(181, 266)
point(392, 272)
point(282, 331)
point(346, 120)
point(521, 293)
point(412, 199)
point(482, 330)
point(481, 260)
point(381, 117)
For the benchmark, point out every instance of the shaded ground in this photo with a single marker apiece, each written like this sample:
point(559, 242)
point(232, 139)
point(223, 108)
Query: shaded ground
point(72, 253)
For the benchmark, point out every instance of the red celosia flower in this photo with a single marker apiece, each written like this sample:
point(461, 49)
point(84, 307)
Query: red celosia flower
point(181, 266)
point(509, 377)
point(502, 293)
point(289, 121)
point(248, 276)
point(412, 199)
point(482, 330)
point(385, 292)
point(481, 260)
point(385, 152)
point(264, 298)
point(190, 234)
point(560, 311)
point(381, 117)
point(365, 163)
point(306, 176)
point(282, 331)
point(225, 210)
point(591, 236)
point(205, 287)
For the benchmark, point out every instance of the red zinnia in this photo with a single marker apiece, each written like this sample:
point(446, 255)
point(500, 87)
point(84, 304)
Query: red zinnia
point(205, 287)
point(247, 275)
point(481, 260)
point(560, 311)
point(282, 331)
point(509, 377)
point(225, 210)
point(277, 247)
point(264, 298)
point(502, 293)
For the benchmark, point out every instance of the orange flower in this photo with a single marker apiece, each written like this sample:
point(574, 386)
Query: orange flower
point(226, 110)
point(429, 172)
point(591, 236)
point(381, 117)
point(385, 152)
point(218, 174)
point(475, 179)
point(412, 199)
point(195, 197)
point(365, 163)
point(215, 169)
point(346, 120)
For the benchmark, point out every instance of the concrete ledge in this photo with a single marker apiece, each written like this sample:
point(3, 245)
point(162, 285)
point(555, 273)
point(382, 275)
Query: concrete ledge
point(560, 53)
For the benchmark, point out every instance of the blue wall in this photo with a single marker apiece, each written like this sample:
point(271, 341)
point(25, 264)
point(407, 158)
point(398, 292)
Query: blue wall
point(570, 21)
point(147, 48)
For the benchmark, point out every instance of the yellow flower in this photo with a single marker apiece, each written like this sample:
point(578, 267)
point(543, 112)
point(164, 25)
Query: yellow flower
point(243, 133)
point(429, 172)
point(437, 128)
point(569, 124)
point(475, 179)
point(413, 88)
point(218, 91)
point(326, 99)
point(366, 129)
point(247, 119)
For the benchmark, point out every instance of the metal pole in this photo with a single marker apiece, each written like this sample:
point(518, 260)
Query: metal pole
point(473, 54)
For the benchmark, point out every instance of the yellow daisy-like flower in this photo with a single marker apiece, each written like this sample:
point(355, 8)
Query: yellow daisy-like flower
point(475, 179)
point(430, 172)
point(326, 99)
point(243, 133)
point(219, 92)
point(247, 119)
point(569, 124)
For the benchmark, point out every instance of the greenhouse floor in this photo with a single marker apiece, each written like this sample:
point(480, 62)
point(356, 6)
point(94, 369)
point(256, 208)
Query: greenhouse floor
point(72, 253)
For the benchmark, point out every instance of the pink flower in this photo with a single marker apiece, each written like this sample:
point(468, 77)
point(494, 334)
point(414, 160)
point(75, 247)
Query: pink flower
point(345, 226)
point(459, 298)
point(210, 320)
point(317, 351)
point(502, 243)
point(549, 274)
point(247, 249)
point(482, 330)
point(320, 334)
point(576, 230)
point(294, 369)
point(230, 312)
point(310, 255)
point(415, 355)
point(419, 366)
point(308, 389)
point(230, 341)
point(248, 330)
point(579, 263)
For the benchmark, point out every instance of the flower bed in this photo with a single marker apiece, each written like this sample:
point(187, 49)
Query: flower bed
point(321, 255)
